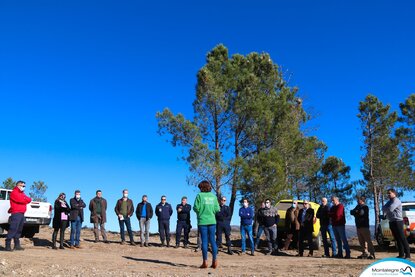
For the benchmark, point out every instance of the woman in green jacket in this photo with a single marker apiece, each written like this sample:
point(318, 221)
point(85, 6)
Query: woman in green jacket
point(206, 206)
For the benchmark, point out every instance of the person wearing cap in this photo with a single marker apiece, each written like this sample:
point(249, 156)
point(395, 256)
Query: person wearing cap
point(306, 219)
point(223, 225)
point(163, 213)
point(76, 217)
point(60, 219)
point(144, 213)
point(98, 209)
point(18, 202)
point(124, 209)
point(183, 216)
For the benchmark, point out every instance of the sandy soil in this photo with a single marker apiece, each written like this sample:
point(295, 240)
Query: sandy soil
point(113, 259)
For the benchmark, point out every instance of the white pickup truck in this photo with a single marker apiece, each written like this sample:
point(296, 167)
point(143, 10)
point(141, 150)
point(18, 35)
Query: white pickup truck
point(37, 213)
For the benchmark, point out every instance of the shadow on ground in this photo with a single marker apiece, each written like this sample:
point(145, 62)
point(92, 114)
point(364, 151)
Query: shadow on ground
point(157, 262)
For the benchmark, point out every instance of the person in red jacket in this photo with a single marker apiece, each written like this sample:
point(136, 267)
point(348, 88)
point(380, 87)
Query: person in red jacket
point(338, 221)
point(18, 202)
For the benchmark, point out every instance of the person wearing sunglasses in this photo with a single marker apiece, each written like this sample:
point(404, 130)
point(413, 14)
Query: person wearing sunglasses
point(163, 213)
point(223, 225)
point(306, 219)
point(18, 202)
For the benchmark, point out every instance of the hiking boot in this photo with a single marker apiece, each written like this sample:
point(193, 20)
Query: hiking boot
point(204, 264)
point(214, 264)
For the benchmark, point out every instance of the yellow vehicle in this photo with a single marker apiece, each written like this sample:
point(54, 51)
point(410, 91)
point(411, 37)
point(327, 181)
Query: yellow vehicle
point(283, 206)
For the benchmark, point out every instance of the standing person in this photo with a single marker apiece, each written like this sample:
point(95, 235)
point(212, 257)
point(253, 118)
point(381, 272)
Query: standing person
point(247, 215)
point(206, 206)
point(306, 219)
point(76, 217)
point(269, 217)
point(124, 209)
point(163, 213)
point(60, 219)
point(393, 211)
point(183, 217)
point(98, 208)
point(260, 226)
point(292, 225)
point(361, 216)
point(144, 214)
point(338, 221)
point(325, 227)
point(18, 203)
point(223, 224)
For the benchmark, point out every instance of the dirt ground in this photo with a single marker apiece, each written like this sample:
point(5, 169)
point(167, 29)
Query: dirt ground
point(114, 259)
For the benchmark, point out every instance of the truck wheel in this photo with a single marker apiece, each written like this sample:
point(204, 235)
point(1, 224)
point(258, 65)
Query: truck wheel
point(380, 239)
point(317, 242)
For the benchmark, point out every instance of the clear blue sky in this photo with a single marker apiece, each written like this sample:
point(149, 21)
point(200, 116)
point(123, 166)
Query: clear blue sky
point(81, 81)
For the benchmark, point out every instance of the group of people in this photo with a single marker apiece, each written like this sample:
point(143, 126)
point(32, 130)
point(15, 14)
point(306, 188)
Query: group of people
point(213, 219)
point(124, 209)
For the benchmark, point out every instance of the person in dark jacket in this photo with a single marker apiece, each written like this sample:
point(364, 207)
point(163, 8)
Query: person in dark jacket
point(76, 217)
point(361, 217)
point(144, 213)
point(18, 204)
point(163, 213)
point(260, 226)
point(246, 214)
point(326, 228)
point(306, 219)
point(183, 217)
point(60, 219)
point(124, 209)
point(223, 224)
point(292, 226)
point(269, 219)
point(338, 221)
point(98, 209)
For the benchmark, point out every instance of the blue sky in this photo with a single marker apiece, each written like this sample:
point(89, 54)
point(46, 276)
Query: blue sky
point(81, 81)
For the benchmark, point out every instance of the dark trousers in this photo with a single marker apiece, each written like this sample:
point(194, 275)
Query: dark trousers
point(182, 225)
point(127, 223)
point(223, 227)
point(399, 236)
point(62, 228)
point(305, 235)
point(15, 229)
point(271, 234)
point(164, 230)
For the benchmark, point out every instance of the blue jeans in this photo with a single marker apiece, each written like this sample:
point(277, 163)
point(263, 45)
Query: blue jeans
point(76, 226)
point(207, 233)
point(259, 234)
point(247, 229)
point(324, 229)
point(127, 223)
point(340, 234)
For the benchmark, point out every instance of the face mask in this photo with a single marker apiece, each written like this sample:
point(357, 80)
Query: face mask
point(246, 205)
point(294, 205)
point(78, 196)
point(125, 195)
point(268, 205)
point(21, 188)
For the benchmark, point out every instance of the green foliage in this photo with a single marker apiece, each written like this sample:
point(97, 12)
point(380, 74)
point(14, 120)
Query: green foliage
point(9, 183)
point(37, 191)
point(246, 131)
